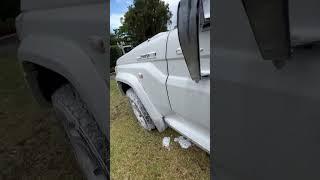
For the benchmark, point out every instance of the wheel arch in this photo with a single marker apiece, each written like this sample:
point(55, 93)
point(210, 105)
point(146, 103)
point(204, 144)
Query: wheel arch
point(127, 80)
point(42, 81)
point(65, 60)
point(123, 87)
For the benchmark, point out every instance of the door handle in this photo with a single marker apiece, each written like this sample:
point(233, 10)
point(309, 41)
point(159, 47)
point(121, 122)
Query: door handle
point(179, 51)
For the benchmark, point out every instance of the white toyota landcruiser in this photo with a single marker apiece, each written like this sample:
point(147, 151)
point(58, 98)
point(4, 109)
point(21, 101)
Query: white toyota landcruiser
point(167, 78)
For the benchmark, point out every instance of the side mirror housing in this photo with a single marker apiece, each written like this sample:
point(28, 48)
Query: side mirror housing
point(188, 27)
point(269, 20)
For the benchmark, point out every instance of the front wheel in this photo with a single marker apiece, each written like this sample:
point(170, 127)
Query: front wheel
point(89, 144)
point(139, 110)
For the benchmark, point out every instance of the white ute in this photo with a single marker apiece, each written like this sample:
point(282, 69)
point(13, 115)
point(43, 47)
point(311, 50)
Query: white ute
point(160, 80)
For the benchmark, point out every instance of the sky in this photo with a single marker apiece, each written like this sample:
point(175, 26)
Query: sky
point(117, 10)
point(119, 7)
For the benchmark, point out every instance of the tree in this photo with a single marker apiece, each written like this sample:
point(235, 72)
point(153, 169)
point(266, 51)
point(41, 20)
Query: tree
point(144, 19)
point(113, 39)
point(115, 54)
point(115, 51)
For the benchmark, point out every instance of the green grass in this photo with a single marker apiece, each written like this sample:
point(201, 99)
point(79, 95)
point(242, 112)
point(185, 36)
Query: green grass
point(138, 154)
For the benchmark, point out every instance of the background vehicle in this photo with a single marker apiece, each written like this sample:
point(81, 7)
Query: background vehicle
point(266, 101)
point(64, 57)
point(161, 84)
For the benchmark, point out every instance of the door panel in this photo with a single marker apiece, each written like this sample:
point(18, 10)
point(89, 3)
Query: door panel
point(189, 100)
point(155, 73)
point(266, 119)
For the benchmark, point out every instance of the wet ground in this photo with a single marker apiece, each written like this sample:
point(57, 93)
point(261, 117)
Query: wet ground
point(32, 142)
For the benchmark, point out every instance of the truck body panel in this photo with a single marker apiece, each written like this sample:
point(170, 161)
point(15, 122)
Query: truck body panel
point(189, 100)
point(66, 38)
point(266, 119)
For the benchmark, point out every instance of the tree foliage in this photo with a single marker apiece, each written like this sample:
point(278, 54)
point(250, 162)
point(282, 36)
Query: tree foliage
point(115, 51)
point(115, 54)
point(113, 39)
point(144, 19)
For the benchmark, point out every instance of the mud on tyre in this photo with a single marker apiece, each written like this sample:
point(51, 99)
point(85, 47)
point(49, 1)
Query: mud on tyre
point(90, 146)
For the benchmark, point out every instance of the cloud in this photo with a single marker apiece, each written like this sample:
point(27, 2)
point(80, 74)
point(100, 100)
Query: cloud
point(173, 7)
point(129, 2)
point(118, 9)
point(115, 21)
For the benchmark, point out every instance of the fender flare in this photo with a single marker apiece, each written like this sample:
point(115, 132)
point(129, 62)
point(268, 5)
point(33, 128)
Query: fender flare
point(69, 60)
point(134, 83)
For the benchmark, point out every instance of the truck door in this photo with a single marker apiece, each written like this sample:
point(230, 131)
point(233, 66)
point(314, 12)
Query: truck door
point(190, 101)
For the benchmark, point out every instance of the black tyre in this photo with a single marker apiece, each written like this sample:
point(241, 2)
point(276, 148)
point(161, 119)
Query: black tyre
point(139, 110)
point(89, 144)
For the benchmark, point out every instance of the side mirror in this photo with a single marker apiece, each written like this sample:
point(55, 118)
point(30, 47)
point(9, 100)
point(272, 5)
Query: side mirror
point(269, 20)
point(188, 27)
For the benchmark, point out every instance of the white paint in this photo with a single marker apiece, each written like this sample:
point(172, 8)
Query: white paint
point(183, 142)
point(166, 142)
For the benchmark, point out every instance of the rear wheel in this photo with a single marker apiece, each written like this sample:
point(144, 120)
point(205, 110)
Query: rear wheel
point(89, 144)
point(139, 110)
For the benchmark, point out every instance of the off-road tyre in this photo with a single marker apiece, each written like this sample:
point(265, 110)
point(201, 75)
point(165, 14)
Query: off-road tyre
point(139, 110)
point(83, 133)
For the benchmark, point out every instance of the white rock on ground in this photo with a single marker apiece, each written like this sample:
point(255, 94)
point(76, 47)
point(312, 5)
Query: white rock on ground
point(166, 142)
point(184, 143)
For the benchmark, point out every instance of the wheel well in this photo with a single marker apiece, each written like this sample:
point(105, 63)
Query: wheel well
point(123, 87)
point(43, 80)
